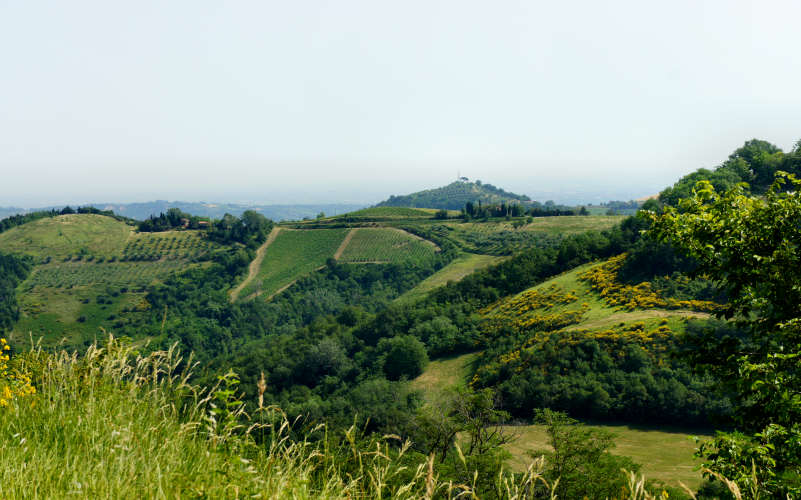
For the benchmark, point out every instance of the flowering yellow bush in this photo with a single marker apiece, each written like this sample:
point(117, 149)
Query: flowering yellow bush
point(531, 299)
point(656, 339)
point(13, 383)
point(524, 312)
point(603, 279)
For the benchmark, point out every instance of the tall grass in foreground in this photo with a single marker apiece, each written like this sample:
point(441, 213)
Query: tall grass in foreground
point(115, 424)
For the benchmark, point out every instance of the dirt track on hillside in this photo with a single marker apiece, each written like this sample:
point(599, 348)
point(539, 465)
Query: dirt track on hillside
point(253, 270)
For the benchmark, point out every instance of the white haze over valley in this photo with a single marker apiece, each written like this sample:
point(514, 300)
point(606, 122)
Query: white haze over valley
point(352, 101)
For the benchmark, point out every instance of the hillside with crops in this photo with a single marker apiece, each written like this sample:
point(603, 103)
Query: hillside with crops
point(461, 352)
point(89, 271)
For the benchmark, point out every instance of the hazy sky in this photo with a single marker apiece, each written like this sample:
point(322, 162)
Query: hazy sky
point(303, 101)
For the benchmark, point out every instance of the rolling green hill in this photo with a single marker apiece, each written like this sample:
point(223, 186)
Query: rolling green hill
point(91, 271)
point(454, 196)
point(566, 309)
point(68, 235)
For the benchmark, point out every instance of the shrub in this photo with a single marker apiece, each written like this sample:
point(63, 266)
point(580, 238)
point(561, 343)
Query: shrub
point(402, 357)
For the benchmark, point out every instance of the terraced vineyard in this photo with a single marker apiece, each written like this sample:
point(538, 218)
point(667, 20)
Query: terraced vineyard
point(386, 245)
point(293, 254)
point(72, 274)
point(170, 245)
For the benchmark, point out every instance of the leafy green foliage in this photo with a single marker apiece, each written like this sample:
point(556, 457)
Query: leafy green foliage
point(173, 219)
point(402, 357)
point(755, 163)
point(580, 459)
point(250, 230)
point(465, 431)
point(751, 246)
point(301, 339)
point(13, 270)
point(623, 373)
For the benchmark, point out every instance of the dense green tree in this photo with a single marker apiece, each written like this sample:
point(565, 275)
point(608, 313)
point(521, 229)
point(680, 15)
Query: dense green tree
point(755, 163)
point(750, 245)
point(403, 356)
point(580, 458)
point(13, 270)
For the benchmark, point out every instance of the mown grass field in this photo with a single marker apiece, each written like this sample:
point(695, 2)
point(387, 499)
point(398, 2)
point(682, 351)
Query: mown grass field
point(293, 254)
point(385, 245)
point(456, 270)
point(67, 235)
point(665, 454)
point(443, 374)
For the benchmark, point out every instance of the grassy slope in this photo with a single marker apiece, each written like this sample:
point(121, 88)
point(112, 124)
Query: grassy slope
point(52, 314)
point(59, 300)
point(385, 245)
point(59, 237)
point(293, 254)
point(444, 373)
point(455, 271)
point(599, 313)
point(665, 454)
point(101, 426)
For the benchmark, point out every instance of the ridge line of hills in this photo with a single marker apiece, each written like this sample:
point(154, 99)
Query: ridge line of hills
point(572, 312)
